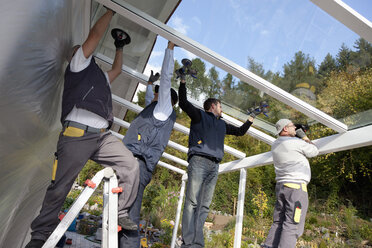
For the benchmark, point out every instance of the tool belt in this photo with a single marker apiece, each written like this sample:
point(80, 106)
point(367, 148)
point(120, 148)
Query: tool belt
point(75, 129)
point(296, 186)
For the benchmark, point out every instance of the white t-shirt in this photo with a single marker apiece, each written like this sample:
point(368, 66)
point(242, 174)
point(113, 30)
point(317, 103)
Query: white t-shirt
point(290, 159)
point(83, 116)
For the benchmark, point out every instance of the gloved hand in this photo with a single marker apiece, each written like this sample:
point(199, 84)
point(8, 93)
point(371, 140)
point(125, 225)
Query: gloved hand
point(254, 112)
point(154, 78)
point(300, 133)
point(181, 73)
point(121, 38)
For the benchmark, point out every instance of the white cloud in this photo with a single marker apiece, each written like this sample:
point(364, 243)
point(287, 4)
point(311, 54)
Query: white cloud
point(189, 55)
point(264, 32)
point(177, 24)
point(197, 20)
point(157, 53)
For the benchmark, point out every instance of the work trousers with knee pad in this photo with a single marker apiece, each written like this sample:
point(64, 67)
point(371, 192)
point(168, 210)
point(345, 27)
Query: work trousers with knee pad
point(73, 153)
point(289, 215)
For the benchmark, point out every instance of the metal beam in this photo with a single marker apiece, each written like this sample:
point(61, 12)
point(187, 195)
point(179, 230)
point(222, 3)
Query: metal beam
point(164, 155)
point(255, 133)
point(356, 138)
point(347, 16)
point(150, 23)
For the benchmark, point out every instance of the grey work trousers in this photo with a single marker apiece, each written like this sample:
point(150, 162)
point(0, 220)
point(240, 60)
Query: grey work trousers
point(286, 228)
point(73, 153)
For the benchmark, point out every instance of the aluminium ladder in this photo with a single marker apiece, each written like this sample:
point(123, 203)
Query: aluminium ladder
point(110, 210)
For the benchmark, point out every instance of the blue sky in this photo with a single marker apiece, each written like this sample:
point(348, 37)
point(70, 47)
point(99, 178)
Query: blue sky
point(269, 31)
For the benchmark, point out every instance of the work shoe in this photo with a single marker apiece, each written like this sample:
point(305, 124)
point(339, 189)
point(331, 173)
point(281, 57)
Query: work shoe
point(35, 243)
point(127, 224)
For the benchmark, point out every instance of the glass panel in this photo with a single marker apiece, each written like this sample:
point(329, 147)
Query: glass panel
point(293, 44)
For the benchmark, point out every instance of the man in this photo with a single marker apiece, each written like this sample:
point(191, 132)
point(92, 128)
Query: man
point(206, 144)
point(148, 135)
point(293, 173)
point(86, 118)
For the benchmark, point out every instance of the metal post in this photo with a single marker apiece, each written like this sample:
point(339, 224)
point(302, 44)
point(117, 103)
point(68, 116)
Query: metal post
point(105, 213)
point(178, 215)
point(240, 214)
point(113, 210)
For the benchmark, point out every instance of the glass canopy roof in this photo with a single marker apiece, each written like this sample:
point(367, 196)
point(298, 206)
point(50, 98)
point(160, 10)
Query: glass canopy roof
point(292, 44)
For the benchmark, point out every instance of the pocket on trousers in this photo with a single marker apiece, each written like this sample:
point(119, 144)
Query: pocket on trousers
point(73, 132)
point(297, 212)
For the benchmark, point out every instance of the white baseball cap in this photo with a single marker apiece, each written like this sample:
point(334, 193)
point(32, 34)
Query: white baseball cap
point(281, 124)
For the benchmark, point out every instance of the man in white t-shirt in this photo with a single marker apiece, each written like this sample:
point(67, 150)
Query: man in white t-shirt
point(86, 118)
point(290, 152)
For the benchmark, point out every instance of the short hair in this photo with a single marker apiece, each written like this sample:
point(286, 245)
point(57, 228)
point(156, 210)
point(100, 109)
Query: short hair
point(174, 96)
point(208, 103)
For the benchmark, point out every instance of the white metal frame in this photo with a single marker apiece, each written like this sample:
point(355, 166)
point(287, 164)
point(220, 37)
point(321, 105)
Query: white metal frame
point(214, 58)
point(348, 16)
point(343, 141)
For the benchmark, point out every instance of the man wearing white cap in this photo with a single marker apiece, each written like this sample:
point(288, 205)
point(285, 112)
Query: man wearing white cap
point(290, 152)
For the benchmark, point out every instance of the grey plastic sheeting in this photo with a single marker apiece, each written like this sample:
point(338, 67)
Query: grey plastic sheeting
point(35, 37)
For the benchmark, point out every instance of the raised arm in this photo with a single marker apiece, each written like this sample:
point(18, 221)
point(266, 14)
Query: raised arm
point(164, 107)
point(116, 66)
point(96, 33)
point(185, 105)
point(239, 131)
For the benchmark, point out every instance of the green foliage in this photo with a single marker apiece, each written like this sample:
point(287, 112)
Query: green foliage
point(88, 172)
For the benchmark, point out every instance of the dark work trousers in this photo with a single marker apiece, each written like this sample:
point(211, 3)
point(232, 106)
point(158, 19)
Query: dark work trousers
point(286, 229)
point(202, 178)
point(73, 153)
point(131, 239)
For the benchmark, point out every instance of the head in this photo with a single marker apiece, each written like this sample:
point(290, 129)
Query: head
point(174, 97)
point(72, 52)
point(213, 105)
point(285, 127)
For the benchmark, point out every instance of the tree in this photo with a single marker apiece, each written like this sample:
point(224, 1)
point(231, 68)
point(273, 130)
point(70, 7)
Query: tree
point(343, 58)
point(300, 70)
point(215, 87)
point(328, 65)
point(361, 58)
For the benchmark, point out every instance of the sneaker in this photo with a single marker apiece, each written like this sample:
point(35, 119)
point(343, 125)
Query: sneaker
point(35, 243)
point(127, 224)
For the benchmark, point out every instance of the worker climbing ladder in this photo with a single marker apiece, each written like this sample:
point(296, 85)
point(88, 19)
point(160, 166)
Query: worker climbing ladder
point(110, 210)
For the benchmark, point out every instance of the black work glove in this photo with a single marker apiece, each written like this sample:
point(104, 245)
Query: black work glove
point(181, 73)
point(121, 38)
point(154, 78)
point(254, 111)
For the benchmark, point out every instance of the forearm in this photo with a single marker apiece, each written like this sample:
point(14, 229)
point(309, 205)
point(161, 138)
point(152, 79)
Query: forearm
point(116, 66)
point(186, 106)
point(96, 33)
point(238, 131)
point(166, 77)
point(149, 94)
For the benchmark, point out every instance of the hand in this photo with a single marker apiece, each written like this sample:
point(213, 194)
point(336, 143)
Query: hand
point(108, 9)
point(121, 38)
point(301, 134)
point(250, 118)
point(154, 78)
point(181, 74)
